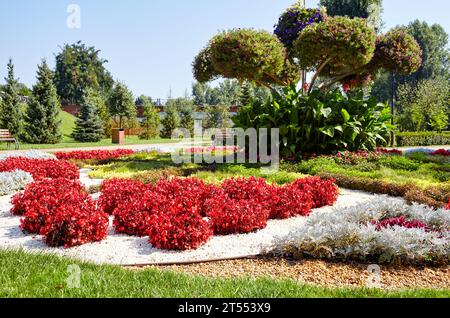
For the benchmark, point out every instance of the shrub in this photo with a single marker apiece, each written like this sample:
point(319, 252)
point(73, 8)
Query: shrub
point(117, 191)
point(177, 228)
point(94, 154)
point(290, 201)
point(41, 168)
point(413, 139)
point(355, 233)
point(132, 216)
point(234, 216)
point(11, 182)
point(44, 198)
point(76, 223)
point(323, 192)
point(331, 121)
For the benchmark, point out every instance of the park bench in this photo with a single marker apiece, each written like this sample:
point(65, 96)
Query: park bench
point(8, 138)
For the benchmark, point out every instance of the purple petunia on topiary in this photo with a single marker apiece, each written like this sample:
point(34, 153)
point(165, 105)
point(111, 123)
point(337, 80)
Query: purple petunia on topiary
point(295, 20)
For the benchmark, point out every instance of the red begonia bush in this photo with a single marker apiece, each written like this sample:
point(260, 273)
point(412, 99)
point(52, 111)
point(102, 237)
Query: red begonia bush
point(76, 223)
point(41, 168)
point(178, 228)
point(323, 192)
point(42, 199)
point(132, 216)
point(290, 201)
point(94, 154)
point(117, 191)
point(190, 192)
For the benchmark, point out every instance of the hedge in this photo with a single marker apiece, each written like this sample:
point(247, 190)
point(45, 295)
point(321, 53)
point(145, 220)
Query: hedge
point(413, 139)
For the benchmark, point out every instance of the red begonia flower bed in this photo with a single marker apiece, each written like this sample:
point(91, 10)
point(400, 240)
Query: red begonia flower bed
point(41, 168)
point(94, 154)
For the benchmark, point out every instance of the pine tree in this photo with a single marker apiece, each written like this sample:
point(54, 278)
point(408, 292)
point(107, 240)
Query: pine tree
point(121, 104)
point(11, 116)
point(42, 123)
point(170, 122)
point(187, 120)
point(246, 97)
point(89, 126)
point(217, 117)
point(152, 119)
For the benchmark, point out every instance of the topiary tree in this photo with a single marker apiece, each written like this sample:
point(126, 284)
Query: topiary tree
point(338, 49)
point(152, 119)
point(42, 123)
point(89, 126)
point(121, 104)
point(11, 116)
point(246, 54)
point(170, 122)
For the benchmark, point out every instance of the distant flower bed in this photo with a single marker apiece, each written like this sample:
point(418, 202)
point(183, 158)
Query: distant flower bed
point(382, 231)
point(11, 182)
point(94, 154)
point(41, 168)
point(441, 152)
point(211, 150)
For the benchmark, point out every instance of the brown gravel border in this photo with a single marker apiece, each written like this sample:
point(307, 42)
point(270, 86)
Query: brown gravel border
point(321, 273)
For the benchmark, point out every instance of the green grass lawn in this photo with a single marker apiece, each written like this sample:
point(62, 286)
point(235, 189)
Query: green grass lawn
point(26, 275)
point(67, 125)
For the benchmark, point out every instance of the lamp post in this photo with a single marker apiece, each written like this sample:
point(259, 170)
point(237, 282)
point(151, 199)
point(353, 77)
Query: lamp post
point(303, 71)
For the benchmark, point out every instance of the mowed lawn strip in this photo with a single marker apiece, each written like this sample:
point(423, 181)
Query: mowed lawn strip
point(26, 275)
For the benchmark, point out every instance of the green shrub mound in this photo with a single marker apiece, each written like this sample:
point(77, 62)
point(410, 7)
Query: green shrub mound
point(413, 139)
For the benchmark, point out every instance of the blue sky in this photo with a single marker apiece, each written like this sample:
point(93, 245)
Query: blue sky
point(150, 44)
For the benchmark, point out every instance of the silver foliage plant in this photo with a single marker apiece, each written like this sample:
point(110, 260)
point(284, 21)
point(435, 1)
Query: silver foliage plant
point(32, 154)
point(11, 182)
point(349, 234)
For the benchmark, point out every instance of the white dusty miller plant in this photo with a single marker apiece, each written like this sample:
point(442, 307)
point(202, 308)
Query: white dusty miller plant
point(11, 182)
point(32, 154)
point(350, 234)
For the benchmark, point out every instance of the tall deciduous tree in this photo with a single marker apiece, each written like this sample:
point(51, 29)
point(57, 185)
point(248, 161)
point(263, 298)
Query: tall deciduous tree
point(89, 126)
point(77, 68)
point(424, 106)
point(11, 115)
point(42, 123)
point(433, 41)
point(121, 104)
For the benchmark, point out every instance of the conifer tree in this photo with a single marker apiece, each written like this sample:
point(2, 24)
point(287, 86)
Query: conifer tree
point(89, 127)
point(246, 94)
point(170, 122)
point(187, 120)
point(11, 116)
point(42, 122)
point(152, 119)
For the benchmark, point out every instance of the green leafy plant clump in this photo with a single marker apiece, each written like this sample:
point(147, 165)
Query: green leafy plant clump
point(322, 122)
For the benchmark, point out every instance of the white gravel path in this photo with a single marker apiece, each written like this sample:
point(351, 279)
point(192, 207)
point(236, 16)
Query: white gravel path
point(125, 250)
